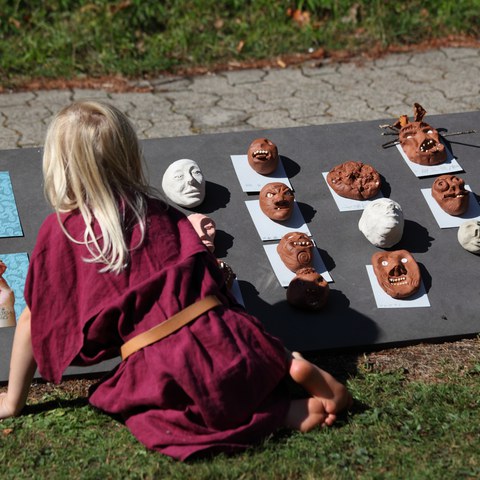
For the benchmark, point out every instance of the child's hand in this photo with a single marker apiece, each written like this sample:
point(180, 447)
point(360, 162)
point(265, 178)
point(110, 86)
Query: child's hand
point(5, 410)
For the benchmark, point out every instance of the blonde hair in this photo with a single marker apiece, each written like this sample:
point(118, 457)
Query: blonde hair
point(92, 162)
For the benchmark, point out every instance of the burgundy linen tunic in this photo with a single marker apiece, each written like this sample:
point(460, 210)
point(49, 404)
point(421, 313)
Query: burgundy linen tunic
point(214, 385)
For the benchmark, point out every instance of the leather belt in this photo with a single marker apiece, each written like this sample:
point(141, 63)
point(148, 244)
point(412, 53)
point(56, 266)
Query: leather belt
point(169, 326)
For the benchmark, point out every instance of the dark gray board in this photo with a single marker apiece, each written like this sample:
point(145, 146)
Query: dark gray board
point(351, 318)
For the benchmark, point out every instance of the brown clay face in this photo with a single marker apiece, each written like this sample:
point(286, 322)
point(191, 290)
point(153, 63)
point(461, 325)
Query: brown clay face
point(354, 180)
point(3, 267)
point(308, 290)
point(421, 143)
point(397, 273)
point(263, 156)
point(276, 201)
point(296, 251)
point(450, 193)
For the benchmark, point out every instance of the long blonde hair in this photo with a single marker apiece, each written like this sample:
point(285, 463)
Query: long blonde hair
point(92, 162)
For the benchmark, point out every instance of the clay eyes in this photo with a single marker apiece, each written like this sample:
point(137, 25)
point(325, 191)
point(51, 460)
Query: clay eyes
point(442, 185)
point(385, 262)
point(269, 195)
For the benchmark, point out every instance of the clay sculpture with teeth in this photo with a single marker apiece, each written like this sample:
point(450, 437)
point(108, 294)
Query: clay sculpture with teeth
point(308, 290)
point(450, 193)
point(420, 142)
point(276, 201)
point(263, 156)
point(355, 180)
point(397, 273)
point(296, 251)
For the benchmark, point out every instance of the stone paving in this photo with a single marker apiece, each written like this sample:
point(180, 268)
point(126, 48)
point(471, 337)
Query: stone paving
point(445, 80)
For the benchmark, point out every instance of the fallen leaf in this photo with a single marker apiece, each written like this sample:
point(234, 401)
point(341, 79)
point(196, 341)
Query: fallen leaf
point(7, 431)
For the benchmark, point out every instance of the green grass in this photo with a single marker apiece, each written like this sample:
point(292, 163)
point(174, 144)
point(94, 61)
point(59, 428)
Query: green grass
point(71, 38)
point(398, 429)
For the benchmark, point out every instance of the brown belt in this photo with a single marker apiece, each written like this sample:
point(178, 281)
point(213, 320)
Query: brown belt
point(169, 326)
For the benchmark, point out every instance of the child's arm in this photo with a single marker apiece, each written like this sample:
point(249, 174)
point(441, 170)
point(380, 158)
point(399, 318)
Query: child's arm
point(22, 369)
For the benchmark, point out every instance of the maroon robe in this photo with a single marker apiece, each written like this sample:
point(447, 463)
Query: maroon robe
point(214, 385)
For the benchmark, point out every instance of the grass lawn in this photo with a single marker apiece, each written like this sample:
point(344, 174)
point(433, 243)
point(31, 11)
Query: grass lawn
point(77, 38)
point(416, 416)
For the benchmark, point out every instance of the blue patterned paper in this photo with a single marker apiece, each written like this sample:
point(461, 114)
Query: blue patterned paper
point(15, 276)
point(9, 220)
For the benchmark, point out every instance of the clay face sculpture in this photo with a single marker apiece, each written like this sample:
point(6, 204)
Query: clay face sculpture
point(263, 156)
point(397, 273)
point(421, 143)
point(354, 180)
point(450, 193)
point(308, 290)
point(276, 201)
point(296, 251)
point(205, 228)
point(7, 312)
point(183, 183)
point(469, 236)
point(382, 222)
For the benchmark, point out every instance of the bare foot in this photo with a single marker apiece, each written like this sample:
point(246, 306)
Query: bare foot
point(328, 392)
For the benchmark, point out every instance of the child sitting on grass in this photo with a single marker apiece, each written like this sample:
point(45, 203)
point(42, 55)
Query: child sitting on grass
point(113, 262)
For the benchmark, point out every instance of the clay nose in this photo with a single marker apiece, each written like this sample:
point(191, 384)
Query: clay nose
point(398, 270)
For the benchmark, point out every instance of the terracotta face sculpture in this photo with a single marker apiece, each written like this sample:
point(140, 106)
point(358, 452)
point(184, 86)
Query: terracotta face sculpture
point(296, 251)
point(263, 156)
point(382, 222)
point(450, 193)
point(397, 273)
point(354, 180)
point(276, 201)
point(308, 290)
point(421, 143)
point(469, 236)
point(184, 184)
point(205, 228)
point(7, 300)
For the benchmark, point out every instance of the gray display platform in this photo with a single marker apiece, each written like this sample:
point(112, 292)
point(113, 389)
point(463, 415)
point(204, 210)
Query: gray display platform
point(351, 318)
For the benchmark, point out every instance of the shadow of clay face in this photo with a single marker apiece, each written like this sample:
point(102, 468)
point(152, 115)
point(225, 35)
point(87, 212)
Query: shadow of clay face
point(469, 236)
point(421, 143)
point(276, 201)
point(263, 156)
point(354, 180)
point(450, 193)
point(308, 290)
point(205, 228)
point(382, 222)
point(397, 273)
point(296, 251)
point(183, 183)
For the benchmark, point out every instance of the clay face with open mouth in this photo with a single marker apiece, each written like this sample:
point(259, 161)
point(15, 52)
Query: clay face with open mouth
point(397, 273)
point(308, 290)
point(263, 156)
point(205, 228)
point(355, 180)
point(296, 251)
point(450, 193)
point(421, 143)
point(276, 201)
